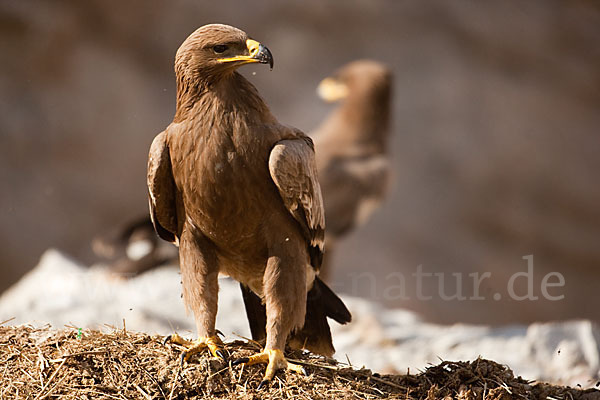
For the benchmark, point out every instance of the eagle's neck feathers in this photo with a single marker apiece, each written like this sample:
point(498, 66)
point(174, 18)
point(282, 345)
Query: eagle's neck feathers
point(363, 118)
point(229, 99)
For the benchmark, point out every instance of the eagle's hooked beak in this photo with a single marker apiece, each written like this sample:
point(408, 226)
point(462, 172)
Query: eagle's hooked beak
point(257, 53)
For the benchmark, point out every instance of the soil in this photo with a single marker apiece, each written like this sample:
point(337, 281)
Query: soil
point(73, 363)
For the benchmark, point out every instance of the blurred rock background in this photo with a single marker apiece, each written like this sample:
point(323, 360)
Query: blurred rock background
point(496, 140)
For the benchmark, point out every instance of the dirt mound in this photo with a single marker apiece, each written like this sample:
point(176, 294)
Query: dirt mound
point(85, 364)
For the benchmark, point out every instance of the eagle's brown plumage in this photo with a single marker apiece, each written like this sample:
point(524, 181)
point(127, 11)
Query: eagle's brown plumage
point(238, 192)
point(352, 144)
point(352, 165)
point(352, 162)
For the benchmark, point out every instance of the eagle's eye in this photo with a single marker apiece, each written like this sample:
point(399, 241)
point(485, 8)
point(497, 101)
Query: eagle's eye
point(220, 48)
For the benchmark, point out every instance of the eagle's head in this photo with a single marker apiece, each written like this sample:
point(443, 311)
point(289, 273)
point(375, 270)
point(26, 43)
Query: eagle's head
point(216, 50)
point(362, 79)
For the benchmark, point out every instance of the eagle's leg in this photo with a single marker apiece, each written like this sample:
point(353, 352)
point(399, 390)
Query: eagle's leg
point(199, 277)
point(284, 286)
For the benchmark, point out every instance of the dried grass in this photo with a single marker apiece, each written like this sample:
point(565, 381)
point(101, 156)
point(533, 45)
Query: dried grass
point(86, 364)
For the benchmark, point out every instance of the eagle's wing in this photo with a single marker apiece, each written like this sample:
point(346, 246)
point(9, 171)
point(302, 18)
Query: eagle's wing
point(353, 188)
point(161, 189)
point(293, 169)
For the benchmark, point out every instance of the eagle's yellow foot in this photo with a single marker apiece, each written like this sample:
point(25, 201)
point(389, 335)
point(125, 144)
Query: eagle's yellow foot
point(274, 359)
point(213, 343)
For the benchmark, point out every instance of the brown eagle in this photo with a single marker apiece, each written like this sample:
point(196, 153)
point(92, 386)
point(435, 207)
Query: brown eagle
point(238, 193)
point(352, 161)
point(352, 148)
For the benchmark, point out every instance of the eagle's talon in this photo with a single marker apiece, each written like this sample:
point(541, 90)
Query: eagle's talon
point(263, 384)
point(222, 354)
point(176, 339)
point(239, 361)
point(274, 359)
point(213, 343)
point(301, 369)
point(166, 340)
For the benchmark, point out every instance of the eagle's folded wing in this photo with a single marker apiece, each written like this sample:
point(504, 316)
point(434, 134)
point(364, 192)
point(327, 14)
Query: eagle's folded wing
point(293, 169)
point(161, 190)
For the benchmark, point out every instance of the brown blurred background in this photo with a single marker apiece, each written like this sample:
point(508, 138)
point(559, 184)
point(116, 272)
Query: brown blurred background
point(496, 143)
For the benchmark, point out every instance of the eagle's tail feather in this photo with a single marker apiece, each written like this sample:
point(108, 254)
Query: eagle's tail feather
point(256, 313)
point(334, 306)
point(315, 335)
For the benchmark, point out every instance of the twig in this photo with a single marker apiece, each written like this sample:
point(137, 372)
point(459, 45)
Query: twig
point(54, 387)
point(348, 358)
point(217, 373)
point(5, 390)
point(103, 394)
point(392, 384)
point(8, 320)
point(25, 357)
point(570, 395)
point(503, 385)
point(27, 373)
point(294, 361)
point(377, 390)
point(281, 385)
point(155, 381)
point(43, 363)
point(81, 353)
point(250, 341)
point(139, 389)
point(174, 383)
point(50, 380)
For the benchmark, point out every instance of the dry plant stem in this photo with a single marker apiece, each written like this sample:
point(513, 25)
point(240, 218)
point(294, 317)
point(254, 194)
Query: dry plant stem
point(121, 366)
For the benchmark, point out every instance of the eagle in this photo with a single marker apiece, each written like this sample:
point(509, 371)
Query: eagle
point(238, 193)
point(352, 148)
point(354, 171)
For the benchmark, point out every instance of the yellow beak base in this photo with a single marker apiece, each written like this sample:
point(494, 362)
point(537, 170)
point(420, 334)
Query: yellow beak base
point(257, 53)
